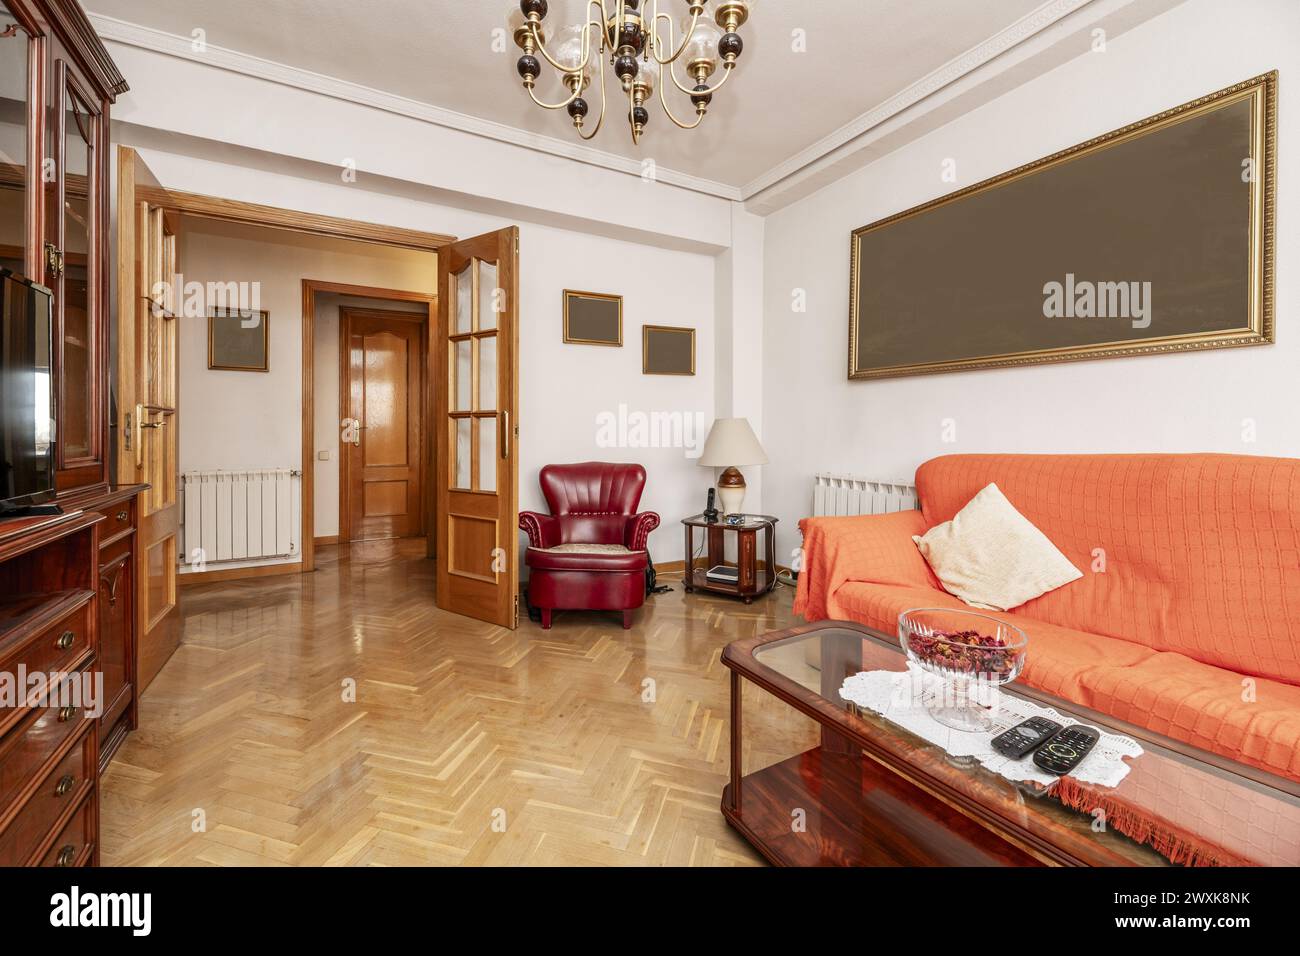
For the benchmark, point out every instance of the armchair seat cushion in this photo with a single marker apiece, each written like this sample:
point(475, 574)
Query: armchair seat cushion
point(585, 557)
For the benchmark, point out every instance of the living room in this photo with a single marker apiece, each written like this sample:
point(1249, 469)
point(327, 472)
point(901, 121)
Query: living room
point(855, 342)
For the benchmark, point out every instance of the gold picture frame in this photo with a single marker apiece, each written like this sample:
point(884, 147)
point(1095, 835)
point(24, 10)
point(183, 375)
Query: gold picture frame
point(593, 318)
point(235, 346)
point(667, 350)
point(910, 326)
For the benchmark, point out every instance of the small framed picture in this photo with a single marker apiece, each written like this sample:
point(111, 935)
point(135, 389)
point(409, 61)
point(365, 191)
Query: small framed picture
point(237, 340)
point(667, 350)
point(593, 318)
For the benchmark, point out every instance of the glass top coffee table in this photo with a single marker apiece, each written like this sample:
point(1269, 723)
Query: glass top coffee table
point(816, 780)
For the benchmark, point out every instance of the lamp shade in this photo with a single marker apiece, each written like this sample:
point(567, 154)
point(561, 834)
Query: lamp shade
point(732, 442)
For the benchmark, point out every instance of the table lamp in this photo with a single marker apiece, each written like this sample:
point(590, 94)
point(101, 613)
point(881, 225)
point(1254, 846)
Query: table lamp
point(731, 442)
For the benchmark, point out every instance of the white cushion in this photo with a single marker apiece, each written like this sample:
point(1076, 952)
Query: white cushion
point(991, 556)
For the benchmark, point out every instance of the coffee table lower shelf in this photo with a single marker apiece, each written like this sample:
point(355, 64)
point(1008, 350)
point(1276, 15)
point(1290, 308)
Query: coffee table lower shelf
point(857, 813)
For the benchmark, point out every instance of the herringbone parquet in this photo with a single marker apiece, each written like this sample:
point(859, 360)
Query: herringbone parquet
point(465, 744)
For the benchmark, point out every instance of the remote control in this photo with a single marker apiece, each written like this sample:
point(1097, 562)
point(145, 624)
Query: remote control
point(1063, 752)
point(1024, 737)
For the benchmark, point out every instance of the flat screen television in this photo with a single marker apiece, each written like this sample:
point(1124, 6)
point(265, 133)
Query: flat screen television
point(26, 399)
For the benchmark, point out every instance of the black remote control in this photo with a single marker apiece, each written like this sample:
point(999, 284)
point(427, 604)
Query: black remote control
point(1063, 752)
point(1024, 737)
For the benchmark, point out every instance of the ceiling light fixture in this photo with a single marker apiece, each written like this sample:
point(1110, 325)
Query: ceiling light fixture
point(623, 36)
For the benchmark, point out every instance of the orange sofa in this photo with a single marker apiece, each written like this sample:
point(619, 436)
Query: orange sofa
point(1187, 618)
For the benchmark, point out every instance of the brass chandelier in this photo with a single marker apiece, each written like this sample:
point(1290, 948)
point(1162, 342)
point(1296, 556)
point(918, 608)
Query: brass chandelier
point(619, 32)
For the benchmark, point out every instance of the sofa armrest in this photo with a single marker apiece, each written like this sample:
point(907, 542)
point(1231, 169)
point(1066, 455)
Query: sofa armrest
point(543, 530)
point(874, 548)
point(638, 530)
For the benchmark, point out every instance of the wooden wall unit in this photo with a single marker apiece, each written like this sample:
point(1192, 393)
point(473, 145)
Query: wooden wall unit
point(67, 583)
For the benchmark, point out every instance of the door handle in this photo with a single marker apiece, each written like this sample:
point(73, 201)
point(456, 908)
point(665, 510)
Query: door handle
point(505, 439)
point(354, 425)
point(141, 410)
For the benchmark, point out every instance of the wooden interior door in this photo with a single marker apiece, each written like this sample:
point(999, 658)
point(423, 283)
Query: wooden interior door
point(475, 427)
point(148, 405)
point(383, 444)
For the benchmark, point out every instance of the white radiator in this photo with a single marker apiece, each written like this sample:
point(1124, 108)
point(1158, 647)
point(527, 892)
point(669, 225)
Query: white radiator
point(852, 495)
point(241, 515)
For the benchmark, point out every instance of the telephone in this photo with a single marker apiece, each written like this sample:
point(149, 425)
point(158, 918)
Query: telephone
point(710, 509)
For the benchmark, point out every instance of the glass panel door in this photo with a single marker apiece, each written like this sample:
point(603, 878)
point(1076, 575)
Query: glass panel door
point(15, 219)
point(477, 484)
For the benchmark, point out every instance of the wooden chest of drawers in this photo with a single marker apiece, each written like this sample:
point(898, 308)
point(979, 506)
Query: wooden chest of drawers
point(50, 690)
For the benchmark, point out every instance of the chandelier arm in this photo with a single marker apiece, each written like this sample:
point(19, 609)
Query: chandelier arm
point(601, 121)
point(663, 101)
point(554, 106)
point(560, 67)
point(686, 35)
point(728, 69)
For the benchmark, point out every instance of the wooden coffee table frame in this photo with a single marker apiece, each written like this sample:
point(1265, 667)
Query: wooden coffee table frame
point(914, 818)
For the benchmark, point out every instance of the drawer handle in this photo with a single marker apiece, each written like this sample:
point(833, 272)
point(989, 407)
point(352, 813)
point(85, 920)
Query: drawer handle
point(66, 714)
point(122, 516)
point(65, 640)
point(65, 784)
point(66, 856)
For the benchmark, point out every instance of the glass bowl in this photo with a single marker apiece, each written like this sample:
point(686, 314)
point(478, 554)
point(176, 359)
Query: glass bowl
point(973, 654)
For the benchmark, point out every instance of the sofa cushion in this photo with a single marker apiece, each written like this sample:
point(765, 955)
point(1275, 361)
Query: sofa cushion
point(1166, 692)
point(991, 557)
point(1057, 660)
point(1196, 554)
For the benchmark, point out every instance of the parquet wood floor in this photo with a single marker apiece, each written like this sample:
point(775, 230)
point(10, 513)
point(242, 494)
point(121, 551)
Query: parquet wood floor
point(465, 744)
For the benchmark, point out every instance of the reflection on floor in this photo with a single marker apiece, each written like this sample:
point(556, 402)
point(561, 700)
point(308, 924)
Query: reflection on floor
point(465, 744)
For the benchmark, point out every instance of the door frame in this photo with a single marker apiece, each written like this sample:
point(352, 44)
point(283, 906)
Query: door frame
point(310, 289)
point(427, 321)
point(314, 224)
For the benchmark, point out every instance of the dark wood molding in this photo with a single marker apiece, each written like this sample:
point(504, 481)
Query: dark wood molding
point(86, 46)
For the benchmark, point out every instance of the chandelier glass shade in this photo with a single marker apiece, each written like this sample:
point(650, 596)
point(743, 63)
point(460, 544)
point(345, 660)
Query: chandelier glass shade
point(640, 48)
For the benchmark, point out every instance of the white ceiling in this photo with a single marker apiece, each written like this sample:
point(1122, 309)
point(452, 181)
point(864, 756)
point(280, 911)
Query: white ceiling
point(440, 52)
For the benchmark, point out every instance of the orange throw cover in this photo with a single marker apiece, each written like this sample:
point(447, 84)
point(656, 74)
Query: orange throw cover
point(1187, 618)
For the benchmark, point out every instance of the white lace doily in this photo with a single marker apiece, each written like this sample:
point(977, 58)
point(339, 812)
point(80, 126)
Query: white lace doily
point(900, 697)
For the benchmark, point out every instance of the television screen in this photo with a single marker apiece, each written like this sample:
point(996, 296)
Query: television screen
point(26, 402)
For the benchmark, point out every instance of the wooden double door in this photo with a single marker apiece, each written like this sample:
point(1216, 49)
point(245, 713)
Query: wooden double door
point(432, 446)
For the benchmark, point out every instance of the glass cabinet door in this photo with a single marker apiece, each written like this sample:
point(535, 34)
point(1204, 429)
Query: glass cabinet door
point(15, 140)
point(77, 276)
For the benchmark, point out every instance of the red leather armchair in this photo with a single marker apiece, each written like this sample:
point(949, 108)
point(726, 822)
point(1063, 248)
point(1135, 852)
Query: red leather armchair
point(590, 551)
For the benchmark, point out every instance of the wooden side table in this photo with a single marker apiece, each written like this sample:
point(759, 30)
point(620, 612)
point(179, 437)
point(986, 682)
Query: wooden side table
point(752, 581)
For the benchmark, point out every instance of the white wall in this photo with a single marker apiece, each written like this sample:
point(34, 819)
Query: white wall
point(563, 388)
point(814, 419)
point(581, 227)
point(233, 420)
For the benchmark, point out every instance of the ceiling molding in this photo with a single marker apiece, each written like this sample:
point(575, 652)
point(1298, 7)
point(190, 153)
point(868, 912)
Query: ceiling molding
point(157, 41)
point(955, 69)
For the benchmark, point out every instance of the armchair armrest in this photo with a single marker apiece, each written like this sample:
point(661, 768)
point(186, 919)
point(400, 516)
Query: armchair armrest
point(543, 530)
point(873, 548)
point(638, 530)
